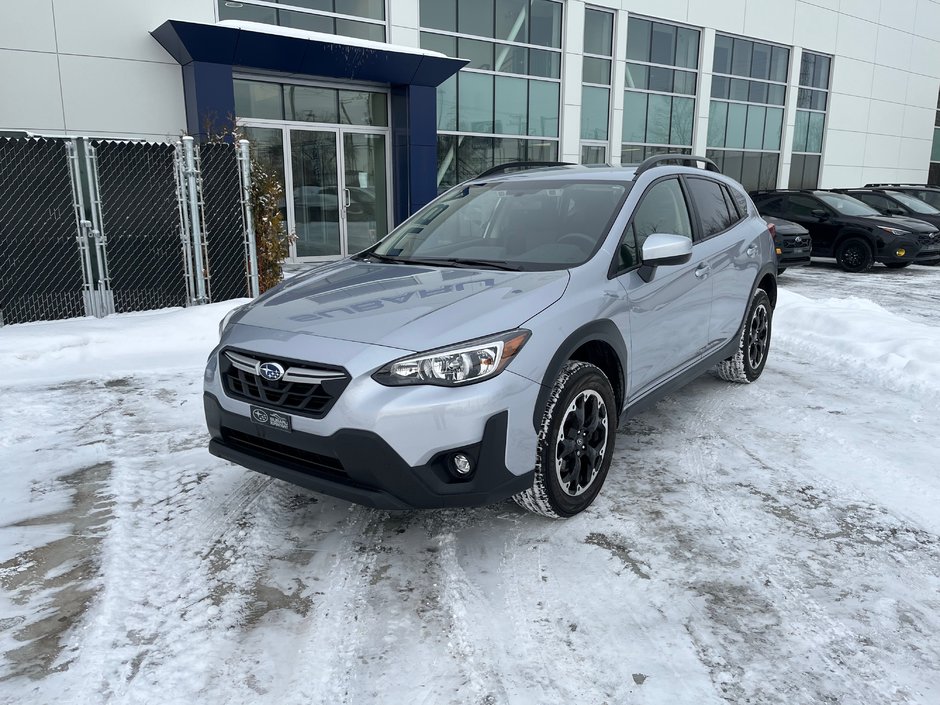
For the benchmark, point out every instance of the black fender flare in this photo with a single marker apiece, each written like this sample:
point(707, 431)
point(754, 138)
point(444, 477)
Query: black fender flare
point(603, 330)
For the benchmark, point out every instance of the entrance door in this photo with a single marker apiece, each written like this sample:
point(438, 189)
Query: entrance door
point(336, 193)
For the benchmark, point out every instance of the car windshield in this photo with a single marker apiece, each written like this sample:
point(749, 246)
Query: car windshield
point(915, 204)
point(525, 224)
point(846, 205)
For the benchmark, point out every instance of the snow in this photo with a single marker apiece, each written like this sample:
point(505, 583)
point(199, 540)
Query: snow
point(770, 543)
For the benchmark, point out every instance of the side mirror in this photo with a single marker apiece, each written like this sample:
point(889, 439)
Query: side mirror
point(894, 211)
point(663, 250)
point(821, 214)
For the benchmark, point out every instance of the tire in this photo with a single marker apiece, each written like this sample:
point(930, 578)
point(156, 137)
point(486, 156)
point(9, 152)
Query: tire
point(781, 270)
point(569, 450)
point(854, 255)
point(748, 362)
point(898, 265)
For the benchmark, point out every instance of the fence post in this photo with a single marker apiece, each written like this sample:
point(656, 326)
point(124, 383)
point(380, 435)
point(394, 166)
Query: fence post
point(93, 303)
point(244, 161)
point(97, 230)
point(195, 220)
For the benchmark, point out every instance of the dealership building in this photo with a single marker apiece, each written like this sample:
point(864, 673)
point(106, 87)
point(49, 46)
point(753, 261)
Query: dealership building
point(376, 105)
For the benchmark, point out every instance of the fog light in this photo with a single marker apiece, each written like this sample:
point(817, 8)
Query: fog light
point(462, 464)
point(901, 252)
point(779, 251)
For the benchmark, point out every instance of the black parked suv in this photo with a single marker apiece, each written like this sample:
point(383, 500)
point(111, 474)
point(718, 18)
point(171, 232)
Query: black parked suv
point(926, 193)
point(891, 202)
point(854, 233)
point(792, 243)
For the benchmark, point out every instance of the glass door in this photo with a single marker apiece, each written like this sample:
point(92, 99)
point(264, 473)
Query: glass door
point(316, 194)
point(365, 189)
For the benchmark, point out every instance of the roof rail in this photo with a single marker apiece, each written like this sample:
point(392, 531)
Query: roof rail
point(521, 166)
point(654, 161)
point(936, 186)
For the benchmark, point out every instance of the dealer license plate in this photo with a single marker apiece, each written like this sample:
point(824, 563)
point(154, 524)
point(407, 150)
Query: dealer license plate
point(269, 418)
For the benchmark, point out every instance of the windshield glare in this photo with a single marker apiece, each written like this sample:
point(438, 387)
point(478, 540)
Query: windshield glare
point(534, 225)
point(915, 204)
point(846, 205)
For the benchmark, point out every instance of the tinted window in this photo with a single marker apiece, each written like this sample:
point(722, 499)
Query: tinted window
point(915, 204)
point(846, 205)
point(875, 201)
point(662, 210)
point(710, 202)
point(733, 208)
point(801, 205)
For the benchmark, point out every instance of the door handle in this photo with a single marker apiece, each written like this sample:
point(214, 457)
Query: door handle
point(751, 251)
point(347, 198)
point(702, 271)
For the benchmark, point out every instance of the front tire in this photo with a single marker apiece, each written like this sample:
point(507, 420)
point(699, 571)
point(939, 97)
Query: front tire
point(854, 255)
point(576, 443)
point(748, 362)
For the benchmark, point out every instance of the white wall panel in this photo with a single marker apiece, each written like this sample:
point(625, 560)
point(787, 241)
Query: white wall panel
point(885, 118)
point(852, 77)
point(848, 112)
point(111, 96)
point(866, 9)
point(893, 48)
point(844, 148)
point(856, 39)
point(882, 151)
point(925, 54)
point(770, 20)
point(725, 16)
point(27, 25)
point(899, 14)
point(889, 84)
point(926, 19)
point(675, 10)
point(30, 89)
point(815, 28)
point(921, 91)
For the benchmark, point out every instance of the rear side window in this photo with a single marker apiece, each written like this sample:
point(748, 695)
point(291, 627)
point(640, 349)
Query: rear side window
point(740, 200)
point(662, 210)
point(801, 205)
point(770, 206)
point(876, 201)
point(709, 199)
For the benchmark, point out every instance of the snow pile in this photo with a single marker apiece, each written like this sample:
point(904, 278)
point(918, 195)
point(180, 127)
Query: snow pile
point(881, 346)
point(107, 347)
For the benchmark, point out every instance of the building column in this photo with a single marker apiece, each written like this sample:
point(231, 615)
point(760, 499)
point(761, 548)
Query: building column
point(404, 18)
point(414, 148)
point(703, 96)
point(573, 41)
point(617, 87)
point(209, 95)
point(789, 120)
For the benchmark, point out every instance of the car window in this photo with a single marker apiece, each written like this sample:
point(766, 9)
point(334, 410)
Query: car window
point(931, 197)
point(736, 213)
point(802, 205)
point(770, 205)
point(846, 205)
point(876, 201)
point(662, 210)
point(709, 199)
point(915, 204)
point(740, 200)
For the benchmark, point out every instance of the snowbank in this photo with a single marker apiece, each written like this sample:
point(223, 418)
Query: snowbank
point(858, 334)
point(127, 343)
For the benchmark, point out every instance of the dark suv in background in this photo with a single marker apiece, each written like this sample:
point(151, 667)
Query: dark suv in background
point(792, 243)
point(926, 193)
point(891, 202)
point(851, 231)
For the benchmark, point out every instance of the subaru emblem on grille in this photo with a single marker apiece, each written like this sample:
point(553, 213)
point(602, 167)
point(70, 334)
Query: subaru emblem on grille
point(797, 240)
point(271, 371)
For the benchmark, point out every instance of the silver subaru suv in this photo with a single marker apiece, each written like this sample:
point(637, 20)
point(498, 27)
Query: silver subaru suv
point(490, 345)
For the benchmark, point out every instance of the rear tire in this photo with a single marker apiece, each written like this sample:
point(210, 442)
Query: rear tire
point(748, 362)
point(898, 265)
point(854, 255)
point(576, 443)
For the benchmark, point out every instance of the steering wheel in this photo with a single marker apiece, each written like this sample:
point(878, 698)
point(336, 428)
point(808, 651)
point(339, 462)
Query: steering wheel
point(581, 240)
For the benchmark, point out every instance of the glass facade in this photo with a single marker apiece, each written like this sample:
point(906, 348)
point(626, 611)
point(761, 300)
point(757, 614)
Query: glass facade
point(504, 105)
point(934, 175)
point(812, 103)
point(596, 77)
point(659, 96)
point(363, 19)
point(261, 100)
point(745, 122)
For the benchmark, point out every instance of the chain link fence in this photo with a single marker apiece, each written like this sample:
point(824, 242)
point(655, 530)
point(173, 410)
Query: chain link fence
point(107, 226)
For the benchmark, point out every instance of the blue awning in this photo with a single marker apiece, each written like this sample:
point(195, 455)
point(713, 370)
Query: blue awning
point(284, 50)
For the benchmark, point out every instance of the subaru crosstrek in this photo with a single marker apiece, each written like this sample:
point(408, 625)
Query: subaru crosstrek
point(488, 346)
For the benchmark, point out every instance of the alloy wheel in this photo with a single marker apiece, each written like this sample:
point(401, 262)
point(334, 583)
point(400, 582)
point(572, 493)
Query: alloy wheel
point(581, 443)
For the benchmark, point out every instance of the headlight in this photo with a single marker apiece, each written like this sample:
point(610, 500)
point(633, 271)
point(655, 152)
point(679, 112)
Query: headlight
point(894, 231)
point(456, 365)
point(223, 324)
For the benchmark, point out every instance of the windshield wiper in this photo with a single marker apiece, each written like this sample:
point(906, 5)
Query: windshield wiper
point(380, 258)
point(473, 263)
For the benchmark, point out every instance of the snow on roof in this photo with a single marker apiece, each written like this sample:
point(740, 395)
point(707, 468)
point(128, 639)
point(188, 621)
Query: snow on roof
point(326, 38)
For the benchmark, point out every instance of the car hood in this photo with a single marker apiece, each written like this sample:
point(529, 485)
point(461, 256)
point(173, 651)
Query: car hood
point(409, 307)
point(897, 221)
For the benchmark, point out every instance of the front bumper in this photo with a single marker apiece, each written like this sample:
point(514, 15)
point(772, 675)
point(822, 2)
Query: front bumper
point(360, 466)
point(915, 252)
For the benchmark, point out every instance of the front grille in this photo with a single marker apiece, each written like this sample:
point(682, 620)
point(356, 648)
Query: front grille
point(303, 390)
point(928, 239)
point(790, 242)
point(293, 458)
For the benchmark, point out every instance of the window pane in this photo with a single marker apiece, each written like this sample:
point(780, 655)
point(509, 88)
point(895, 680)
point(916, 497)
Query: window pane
point(662, 210)
point(267, 146)
point(779, 64)
point(316, 203)
point(732, 165)
point(687, 48)
point(768, 171)
point(661, 79)
point(800, 131)
point(594, 112)
point(447, 104)
point(657, 119)
point(508, 150)
point(247, 13)
point(804, 98)
point(754, 133)
point(311, 104)
point(723, 49)
point(683, 117)
point(821, 72)
point(256, 99)
point(512, 59)
point(720, 86)
point(446, 161)
point(935, 150)
point(439, 42)
point(811, 172)
point(544, 63)
point(632, 154)
point(372, 9)
point(638, 76)
point(439, 14)
point(760, 61)
point(796, 171)
point(741, 58)
point(545, 27)
point(360, 30)
point(814, 132)
point(806, 69)
point(740, 89)
point(543, 108)
point(512, 20)
point(363, 108)
point(750, 170)
point(475, 17)
point(776, 95)
point(818, 100)
point(757, 92)
point(717, 121)
point(737, 122)
point(593, 154)
point(773, 128)
point(474, 156)
point(638, 40)
point(663, 44)
point(598, 32)
point(475, 95)
point(596, 70)
point(684, 83)
point(479, 54)
point(511, 106)
point(634, 116)
point(541, 151)
point(710, 202)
